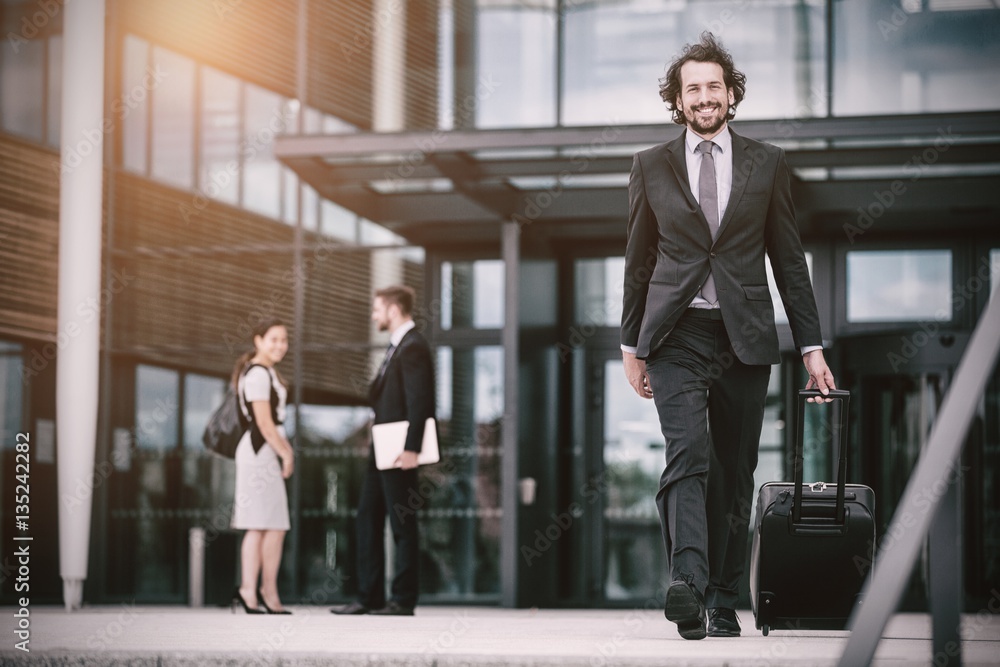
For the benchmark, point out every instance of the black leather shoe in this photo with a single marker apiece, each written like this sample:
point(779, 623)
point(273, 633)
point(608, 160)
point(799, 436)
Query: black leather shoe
point(686, 607)
point(723, 622)
point(353, 609)
point(393, 609)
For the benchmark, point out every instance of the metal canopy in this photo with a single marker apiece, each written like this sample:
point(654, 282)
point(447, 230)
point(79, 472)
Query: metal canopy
point(438, 187)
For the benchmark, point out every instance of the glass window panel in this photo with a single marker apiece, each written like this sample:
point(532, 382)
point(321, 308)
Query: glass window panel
point(10, 392)
point(202, 395)
point(290, 193)
point(310, 207)
point(135, 121)
point(173, 119)
point(599, 291)
point(54, 101)
point(614, 56)
point(220, 135)
point(375, 234)
point(261, 171)
point(22, 81)
point(899, 285)
point(338, 222)
point(538, 302)
point(780, 316)
point(472, 294)
point(516, 56)
point(156, 407)
point(915, 57)
point(633, 461)
point(460, 532)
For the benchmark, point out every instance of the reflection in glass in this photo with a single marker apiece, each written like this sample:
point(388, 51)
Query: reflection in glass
point(460, 529)
point(615, 52)
point(338, 222)
point(202, 394)
point(10, 392)
point(220, 135)
point(22, 86)
point(516, 56)
point(264, 118)
point(633, 461)
point(915, 57)
point(599, 291)
point(134, 112)
point(173, 118)
point(155, 407)
point(54, 98)
point(472, 294)
point(899, 285)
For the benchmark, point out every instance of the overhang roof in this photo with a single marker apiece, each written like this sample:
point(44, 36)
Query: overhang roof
point(437, 187)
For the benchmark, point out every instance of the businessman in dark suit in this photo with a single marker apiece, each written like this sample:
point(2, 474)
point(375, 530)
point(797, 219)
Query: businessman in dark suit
point(403, 390)
point(698, 334)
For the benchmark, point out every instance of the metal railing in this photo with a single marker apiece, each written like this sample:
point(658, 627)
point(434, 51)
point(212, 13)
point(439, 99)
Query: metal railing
point(930, 505)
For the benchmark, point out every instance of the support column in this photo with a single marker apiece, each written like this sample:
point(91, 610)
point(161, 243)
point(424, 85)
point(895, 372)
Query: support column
point(510, 440)
point(80, 192)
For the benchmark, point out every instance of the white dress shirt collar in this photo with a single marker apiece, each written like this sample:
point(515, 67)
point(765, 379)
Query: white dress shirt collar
point(724, 140)
point(397, 335)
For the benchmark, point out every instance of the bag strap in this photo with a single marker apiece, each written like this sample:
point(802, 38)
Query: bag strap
point(241, 389)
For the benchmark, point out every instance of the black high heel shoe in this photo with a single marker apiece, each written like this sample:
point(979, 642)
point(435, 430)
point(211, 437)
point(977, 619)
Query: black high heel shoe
point(268, 610)
point(238, 599)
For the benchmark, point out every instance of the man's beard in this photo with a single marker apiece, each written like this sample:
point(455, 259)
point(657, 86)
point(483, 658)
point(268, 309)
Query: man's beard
point(707, 125)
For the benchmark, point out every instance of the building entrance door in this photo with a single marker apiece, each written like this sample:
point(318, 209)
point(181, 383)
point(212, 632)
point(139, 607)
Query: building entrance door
point(625, 454)
point(894, 406)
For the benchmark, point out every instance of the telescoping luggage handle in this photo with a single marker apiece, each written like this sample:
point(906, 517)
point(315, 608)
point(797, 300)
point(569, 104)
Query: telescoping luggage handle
point(838, 423)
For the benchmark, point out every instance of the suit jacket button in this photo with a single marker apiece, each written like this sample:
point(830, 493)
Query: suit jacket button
point(711, 254)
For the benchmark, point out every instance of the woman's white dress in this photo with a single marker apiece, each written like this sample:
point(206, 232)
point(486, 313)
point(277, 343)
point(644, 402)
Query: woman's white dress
point(260, 502)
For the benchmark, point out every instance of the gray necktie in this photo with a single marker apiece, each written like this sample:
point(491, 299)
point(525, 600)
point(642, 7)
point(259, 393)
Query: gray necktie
point(708, 198)
point(385, 362)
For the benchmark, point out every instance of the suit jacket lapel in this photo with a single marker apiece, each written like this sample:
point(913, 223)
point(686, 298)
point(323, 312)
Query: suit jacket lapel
point(742, 166)
point(678, 162)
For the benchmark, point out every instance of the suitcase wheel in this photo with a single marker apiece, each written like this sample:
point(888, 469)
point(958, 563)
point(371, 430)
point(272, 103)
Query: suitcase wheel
point(765, 629)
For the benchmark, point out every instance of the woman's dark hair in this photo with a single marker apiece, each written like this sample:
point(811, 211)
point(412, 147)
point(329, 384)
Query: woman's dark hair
point(260, 329)
point(708, 50)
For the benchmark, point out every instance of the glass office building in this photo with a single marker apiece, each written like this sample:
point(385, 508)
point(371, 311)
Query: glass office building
point(479, 151)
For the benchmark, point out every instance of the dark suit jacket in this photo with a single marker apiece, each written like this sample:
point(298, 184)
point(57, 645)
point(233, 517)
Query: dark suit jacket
point(406, 391)
point(670, 251)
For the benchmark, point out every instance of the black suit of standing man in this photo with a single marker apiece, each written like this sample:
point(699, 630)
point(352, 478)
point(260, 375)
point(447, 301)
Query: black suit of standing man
point(698, 334)
point(403, 390)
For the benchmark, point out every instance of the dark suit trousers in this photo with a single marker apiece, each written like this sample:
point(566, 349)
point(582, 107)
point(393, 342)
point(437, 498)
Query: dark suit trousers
point(711, 407)
point(387, 491)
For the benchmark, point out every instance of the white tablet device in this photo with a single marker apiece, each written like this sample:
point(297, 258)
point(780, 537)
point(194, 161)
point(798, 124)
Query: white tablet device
point(389, 440)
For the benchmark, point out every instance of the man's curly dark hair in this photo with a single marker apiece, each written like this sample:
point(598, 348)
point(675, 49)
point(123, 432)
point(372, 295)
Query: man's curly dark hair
point(708, 50)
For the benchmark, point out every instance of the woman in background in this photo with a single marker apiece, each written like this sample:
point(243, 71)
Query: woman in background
point(264, 460)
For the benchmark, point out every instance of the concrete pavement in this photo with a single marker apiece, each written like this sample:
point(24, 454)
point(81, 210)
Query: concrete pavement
point(440, 636)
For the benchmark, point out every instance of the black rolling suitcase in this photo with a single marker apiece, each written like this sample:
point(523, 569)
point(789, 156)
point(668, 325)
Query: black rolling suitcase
point(813, 544)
